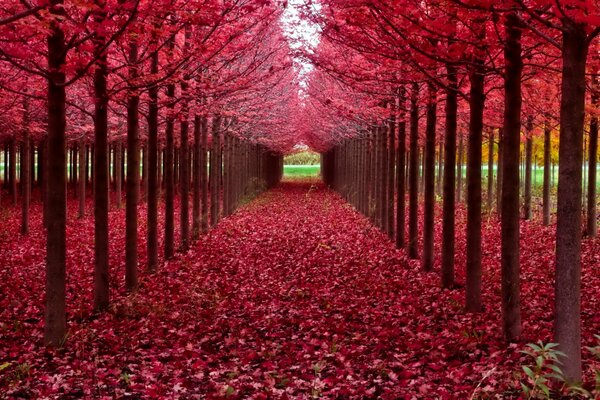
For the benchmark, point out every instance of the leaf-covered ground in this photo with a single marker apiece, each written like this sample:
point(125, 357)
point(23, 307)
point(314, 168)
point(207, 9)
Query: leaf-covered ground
point(295, 295)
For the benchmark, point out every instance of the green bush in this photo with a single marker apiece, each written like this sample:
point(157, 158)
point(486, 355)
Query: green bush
point(302, 158)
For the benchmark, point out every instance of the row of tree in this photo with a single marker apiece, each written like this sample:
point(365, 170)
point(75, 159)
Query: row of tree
point(385, 74)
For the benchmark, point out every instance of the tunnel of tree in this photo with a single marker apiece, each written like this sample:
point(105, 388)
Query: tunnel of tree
point(142, 190)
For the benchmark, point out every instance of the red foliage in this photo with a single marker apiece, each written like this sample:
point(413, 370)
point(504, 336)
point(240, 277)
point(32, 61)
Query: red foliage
point(294, 295)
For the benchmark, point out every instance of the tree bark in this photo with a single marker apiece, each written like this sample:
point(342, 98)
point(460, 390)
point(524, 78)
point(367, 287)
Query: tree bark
point(196, 220)
point(592, 213)
point(476, 102)
point(567, 321)
point(490, 171)
point(82, 177)
point(448, 220)
point(429, 172)
point(528, 155)
point(547, 167)
point(133, 177)
point(101, 292)
point(413, 178)
point(204, 174)
point(511, 313)
point(26, 170)
point(400, 172)
point(153, 167)
point(55, 326)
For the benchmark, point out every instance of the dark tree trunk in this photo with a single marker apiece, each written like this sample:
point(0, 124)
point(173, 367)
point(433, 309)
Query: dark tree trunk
point(400, 172)
point(215, 172)
point(101, 289)
point(13, 170)
point(511, 313)
point(459, 177)
point(118, 173)
point(567, 322)
point(490, 171)
point(169, 177)
point(82, 178)
point(499, 177)
point(547, 167)
point(184, 178)
point(476, 102)
point(133, 177)
point(429, 173)
point(391, 157)
point(204, 174)
point(528, 155)
point(153, 167)
point(413, 179)
point(196, 221)
point(448, 219)
point(55, 326)
point(592, 214)
point(26, 170)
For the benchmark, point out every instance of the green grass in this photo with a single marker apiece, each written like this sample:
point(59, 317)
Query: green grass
point(301, 171)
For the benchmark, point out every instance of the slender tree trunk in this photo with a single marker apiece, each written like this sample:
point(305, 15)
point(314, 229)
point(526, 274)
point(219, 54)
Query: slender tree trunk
point(214, 172)
point(82, 179)
point(592, 214)
point(153, 168)
point(528, 155)
point(547, 167)
point(26, 170)
point(429, 173)
point(413, 179)
point(490, 171)
point(499, 177)
point(117, 167)
point(476, 102)
point(133, 176)
point(55, 326)
point(459, 175)
point(196, 220)
point(204, 174)
point(448, 220)
point(13, 171)
point(400, 172)
point(169, 177)
point(101, 292)
point(391, 156)
point(567, 321)
point(511, 313)
point(184, 178)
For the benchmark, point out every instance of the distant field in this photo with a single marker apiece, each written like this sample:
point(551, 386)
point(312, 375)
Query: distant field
point(301, 171)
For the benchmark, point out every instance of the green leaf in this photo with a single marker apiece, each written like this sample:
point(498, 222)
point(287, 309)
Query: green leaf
point(529, 372)
point(4, 366)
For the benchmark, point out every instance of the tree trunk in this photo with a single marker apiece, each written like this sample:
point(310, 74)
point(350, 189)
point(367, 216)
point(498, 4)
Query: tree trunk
point(55, 326)
point(391, 157)
point(153, 167)
point(490, 171)
point(204, 174)
point(413, 179)
point(101, 292)
point(214, 172)
point(547, 167)
point(592, 214)
point(82, 179)
point(476, 102)
point(196, 220)
point(133, 176)
point(169, 176)
point(459, 175)
point(499, 177)
point(13, 171)
point(448, 220)
point(26, 170)
point(528, 155)
point(511, 313)
point(400, 172)
point(118, 173)
point(567, 322)
point(429, 173)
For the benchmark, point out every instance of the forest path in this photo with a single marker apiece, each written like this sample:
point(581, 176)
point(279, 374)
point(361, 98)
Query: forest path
point(294, 294)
